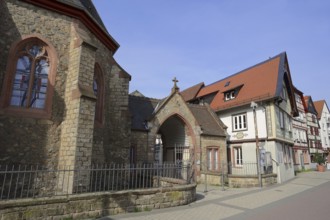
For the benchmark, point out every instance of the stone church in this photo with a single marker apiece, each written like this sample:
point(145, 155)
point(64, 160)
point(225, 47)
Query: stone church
point(64, 99)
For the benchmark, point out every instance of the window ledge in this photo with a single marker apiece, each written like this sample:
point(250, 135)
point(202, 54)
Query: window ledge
point(25, 113)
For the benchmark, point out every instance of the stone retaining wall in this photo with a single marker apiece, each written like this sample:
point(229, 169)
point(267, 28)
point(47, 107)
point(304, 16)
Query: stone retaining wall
point(251, 181)
point(95, 205)
point(211, 178)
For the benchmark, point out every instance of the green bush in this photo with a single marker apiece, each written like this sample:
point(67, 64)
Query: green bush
point(319, 159)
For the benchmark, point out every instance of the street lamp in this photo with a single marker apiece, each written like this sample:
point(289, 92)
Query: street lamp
point(254, 106)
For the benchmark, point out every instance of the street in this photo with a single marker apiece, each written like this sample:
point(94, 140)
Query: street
point(310, 204)
point(305, 197)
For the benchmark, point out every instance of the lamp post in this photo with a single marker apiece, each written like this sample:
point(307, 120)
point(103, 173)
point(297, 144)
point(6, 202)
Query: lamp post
point(254, 106)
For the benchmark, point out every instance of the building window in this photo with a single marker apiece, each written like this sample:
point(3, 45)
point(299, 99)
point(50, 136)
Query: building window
point(98, 88)
point(238, 156)
point(296, 157)
point(239, 122)
point(298, 99)
point(230, 95)
point(287, 153)
point(314, 118)
point(213, 159)
point(306, 157)
point(289, 124)
point(304, 136)
point(29, 83)
point(281, 118)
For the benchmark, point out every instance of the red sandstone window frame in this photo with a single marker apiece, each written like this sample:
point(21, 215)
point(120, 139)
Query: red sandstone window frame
point(213, 158)
point(98, 78)
point(7, 88)
point(306, 157)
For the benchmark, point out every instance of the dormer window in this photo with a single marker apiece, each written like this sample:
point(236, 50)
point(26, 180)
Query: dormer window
point(232, 92)
point(230, 95)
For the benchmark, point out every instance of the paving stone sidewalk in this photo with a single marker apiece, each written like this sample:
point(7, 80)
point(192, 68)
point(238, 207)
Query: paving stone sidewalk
point(217, 203)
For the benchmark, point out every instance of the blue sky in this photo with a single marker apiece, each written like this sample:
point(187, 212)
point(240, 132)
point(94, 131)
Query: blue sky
point(207, 40)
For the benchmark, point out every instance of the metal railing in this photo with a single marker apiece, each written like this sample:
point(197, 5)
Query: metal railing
point(23, 181)
point(242, 169)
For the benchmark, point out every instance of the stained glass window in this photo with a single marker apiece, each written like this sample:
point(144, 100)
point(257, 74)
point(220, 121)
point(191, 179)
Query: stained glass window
point(31, 77)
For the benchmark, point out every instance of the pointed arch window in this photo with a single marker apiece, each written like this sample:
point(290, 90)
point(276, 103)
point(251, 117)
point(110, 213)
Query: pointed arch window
point(98, 88)
point(29, 87)
point(29, 81)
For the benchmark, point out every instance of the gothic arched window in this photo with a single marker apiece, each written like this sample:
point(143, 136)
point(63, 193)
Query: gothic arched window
point(29, 82)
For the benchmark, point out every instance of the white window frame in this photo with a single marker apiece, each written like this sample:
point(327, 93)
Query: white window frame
point(227, 96)
point(239, 122)
point(230, 95)
point(238, 156)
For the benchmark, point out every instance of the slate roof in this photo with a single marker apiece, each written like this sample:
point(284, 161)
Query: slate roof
point(206, 118)
point(191, 92)
point(88, 7)
point(310, 105)
point(143, 108)
point(260, 82)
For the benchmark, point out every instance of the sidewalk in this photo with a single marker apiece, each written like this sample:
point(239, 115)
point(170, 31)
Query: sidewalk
point(217, 203)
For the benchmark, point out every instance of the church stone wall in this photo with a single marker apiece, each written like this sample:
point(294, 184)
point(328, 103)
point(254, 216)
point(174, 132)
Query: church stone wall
point(26, 139)
point(69, 135)
point(139, 142)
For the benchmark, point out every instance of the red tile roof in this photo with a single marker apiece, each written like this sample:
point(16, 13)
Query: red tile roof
point(257, 83)
point(319, 107)
point(191, 92)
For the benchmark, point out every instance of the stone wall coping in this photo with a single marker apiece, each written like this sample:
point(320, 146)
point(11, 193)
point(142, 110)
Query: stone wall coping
point(252, 176)
point(214, 173)
point(173, 180)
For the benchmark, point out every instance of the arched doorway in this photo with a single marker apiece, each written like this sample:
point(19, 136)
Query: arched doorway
point(173, 141)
